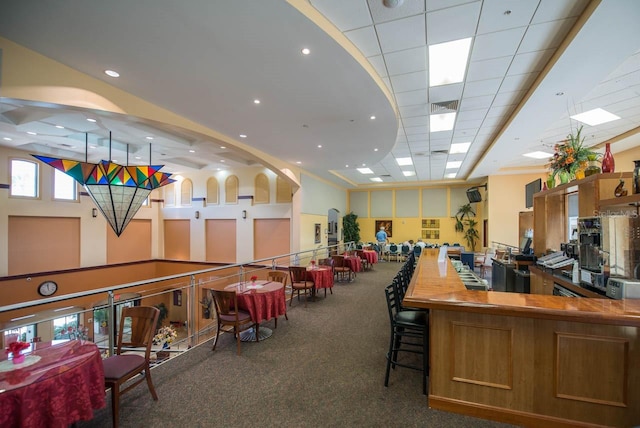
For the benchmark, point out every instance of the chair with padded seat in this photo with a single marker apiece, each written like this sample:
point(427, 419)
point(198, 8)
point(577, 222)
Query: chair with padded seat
point(300, 281)
point(282, 277)
point(363, 259)
point(409, 334)
point(404, 251)
point(341, 268)
point(136, 330)
point(228, 313)
point(393, 252)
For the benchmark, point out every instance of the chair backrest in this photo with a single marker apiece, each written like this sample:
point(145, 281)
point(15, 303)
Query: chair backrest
point(405, 249)
point(393, 248)
point(393, 303)
point(139, 330)
point(298, 273)
point(225, 302)
point(338, 261)
point(417, 250)
point(277, 276)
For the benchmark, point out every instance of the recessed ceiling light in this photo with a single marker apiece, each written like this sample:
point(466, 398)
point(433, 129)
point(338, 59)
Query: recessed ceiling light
point(453, 164)
point(459, 148)
point(91, 120)
point(59, 126)
point(375, 150)
point(7, 139)
point(538, 155)
point(243, 135)
point(409, 173)
point(31, 133)
point(404, 161)
point(256, 101)
point(365, 171)
point(149, 138)
point(451, 175)
point(376, 179)
point(223, 147)
point(441, 122)
point(298, 162)
point(319, 146)
point(372, 118)
point(222, 160)
point(192, 151)
point(595, 117)
point(112, 73)
point(346, 166)
point(306, 51)
point(448, 62)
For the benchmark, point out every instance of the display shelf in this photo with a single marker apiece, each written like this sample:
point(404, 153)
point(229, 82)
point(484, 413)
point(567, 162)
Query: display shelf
point(633, 200)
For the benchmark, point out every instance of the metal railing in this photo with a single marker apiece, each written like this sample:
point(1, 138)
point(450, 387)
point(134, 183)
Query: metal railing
point(199, 325)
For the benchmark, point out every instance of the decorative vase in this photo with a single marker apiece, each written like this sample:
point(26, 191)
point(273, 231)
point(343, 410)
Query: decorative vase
point(592, 169)
point(579, 174)
point(551, 181)
point(608, 164)
point(564, 177)
point(18, 359)
point(636, 177)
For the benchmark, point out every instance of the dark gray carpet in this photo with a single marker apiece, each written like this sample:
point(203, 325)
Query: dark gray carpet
point(322, 368)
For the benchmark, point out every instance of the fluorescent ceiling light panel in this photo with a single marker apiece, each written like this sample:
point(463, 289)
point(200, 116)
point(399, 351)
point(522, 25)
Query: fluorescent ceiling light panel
point(404, 161)
point(448, 62)
point(364, 170)
point(409, 173)
point(441, 122)
point(538, 155)
point(459, 148)
point(453, 164)
point(595, 117)
point(451, 175)
point(376, 179)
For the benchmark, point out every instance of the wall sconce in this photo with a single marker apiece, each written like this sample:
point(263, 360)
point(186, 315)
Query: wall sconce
point(197, 214)
point(94, 212)
point(244, 213)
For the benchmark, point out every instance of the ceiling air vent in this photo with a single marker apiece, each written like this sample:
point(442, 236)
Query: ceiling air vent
point(440, 152)
point(444, 107)
point(385, 175)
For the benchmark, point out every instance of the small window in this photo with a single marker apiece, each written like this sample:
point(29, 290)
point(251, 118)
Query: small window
point(24, 178)
point(64, 187)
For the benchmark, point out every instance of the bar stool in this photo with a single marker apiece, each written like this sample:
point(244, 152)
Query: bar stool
point(409, 333)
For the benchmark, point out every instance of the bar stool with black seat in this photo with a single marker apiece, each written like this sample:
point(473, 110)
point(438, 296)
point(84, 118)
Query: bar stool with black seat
point(409, 334)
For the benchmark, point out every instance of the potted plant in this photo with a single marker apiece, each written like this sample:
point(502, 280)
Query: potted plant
point(351, 228)
point(467, 225)
point(100, 316)
point(570, 156)
point(164, 312)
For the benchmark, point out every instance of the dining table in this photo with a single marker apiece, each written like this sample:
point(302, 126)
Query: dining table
point(371, 256)
point(322, 277)
point(264, 300)
point(58, 384)
point(354, 263)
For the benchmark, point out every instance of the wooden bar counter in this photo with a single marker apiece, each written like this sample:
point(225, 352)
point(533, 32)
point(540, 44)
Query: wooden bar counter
point(526, 359)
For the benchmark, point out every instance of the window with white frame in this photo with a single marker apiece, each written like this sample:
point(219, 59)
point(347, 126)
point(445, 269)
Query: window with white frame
point(64, 187)
point(24, 178)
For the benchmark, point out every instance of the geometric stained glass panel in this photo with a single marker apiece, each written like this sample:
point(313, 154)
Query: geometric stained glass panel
point(118, 204)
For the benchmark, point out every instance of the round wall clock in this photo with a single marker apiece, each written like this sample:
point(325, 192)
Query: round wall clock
point(47, 288)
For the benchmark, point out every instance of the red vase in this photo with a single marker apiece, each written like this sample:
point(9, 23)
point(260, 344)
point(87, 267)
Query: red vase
point(608, 164)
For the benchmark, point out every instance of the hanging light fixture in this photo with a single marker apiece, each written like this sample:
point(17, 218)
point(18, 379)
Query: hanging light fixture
point(118, 191)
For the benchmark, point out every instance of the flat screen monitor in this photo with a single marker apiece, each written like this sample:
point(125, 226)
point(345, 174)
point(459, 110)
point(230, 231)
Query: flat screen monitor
point(530, 189)
point(525, 245)
point(474, 195)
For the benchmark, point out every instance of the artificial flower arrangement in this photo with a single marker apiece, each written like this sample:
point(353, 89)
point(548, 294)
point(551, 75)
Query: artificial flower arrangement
point(254, 278)
point(165, 335)
point(15, 348)
point(570, 154)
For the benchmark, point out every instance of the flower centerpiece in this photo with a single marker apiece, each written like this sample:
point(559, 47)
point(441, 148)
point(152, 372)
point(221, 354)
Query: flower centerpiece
point(15, 348)
point(165, 336)
point(254, 279)
point(570, 155)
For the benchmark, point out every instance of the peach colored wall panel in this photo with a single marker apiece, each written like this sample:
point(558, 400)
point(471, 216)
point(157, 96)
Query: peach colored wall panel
point(177, 241)
point(220, 240)
point(133, 245)
point(272, 237)
point(40, 244)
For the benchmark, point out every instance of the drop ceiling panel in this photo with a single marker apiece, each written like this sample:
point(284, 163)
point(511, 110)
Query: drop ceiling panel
point(415, 121)
point(407, 61)
point(498, 44)
point(550, 10)
point(494, 15)
point(409, 81)
point(380, 13)
point(475, 103)
point(402, 34)
point(344, 15)
point(482, 87)
point(378, 64)
point(528, 62)
point(453, 23)
point(365, 40)
point(412, 111)
point(445, 93)
point(546, 35)
point(488, 69)
point(411, 98)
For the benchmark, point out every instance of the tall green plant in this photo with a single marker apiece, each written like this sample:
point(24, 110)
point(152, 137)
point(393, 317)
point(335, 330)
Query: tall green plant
point(351, 228)
point(467, 225)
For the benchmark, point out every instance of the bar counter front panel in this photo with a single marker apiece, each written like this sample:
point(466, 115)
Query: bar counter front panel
point(525, 359)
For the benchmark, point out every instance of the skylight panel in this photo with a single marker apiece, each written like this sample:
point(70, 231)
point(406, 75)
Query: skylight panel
point(448, 62)
point(594, 117)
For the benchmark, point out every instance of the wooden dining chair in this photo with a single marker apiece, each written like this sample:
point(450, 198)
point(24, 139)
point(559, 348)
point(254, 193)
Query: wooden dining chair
point(341, 268)
point(363, 259)
point(279, 276)
point(229, 314)
point(301, 282)
point(136, 330)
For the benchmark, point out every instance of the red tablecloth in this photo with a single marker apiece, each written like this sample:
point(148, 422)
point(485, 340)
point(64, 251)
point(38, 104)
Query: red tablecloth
point(263, 303)
point(63, 387)
point(371, 256)
point(354, 262)
point(322, 276)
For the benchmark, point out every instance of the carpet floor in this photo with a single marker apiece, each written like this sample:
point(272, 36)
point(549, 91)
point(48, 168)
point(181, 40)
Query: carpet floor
point(324, 367)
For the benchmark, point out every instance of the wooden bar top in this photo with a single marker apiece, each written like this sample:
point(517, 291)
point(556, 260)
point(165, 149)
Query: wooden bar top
point(437, 286)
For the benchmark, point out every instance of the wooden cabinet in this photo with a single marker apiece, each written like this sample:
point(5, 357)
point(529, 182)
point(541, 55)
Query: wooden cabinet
point(595, 196)
point(540, 284)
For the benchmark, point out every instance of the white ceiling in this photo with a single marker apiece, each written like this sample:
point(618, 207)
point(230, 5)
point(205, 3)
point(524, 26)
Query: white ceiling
point(208, 61)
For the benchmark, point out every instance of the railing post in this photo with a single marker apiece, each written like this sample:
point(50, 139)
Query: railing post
point(111, 321)
point(192, 306)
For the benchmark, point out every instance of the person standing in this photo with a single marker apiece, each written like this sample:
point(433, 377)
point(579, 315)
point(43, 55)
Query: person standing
point(381, 237)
